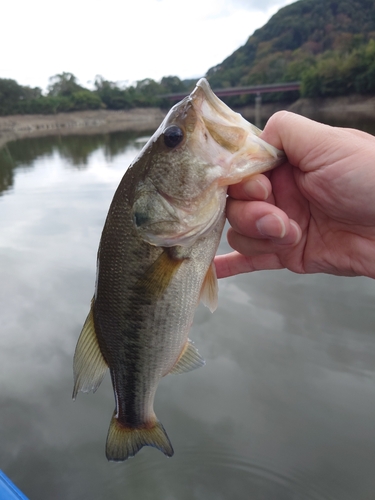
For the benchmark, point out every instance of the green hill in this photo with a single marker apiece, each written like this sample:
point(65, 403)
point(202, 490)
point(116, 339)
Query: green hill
point(327, 44)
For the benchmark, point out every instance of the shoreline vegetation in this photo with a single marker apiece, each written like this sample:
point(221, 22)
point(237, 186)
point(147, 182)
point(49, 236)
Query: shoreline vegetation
point(148, 119)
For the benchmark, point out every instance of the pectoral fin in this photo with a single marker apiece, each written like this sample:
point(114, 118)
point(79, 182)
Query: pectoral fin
point(210, 289)
point(189, 360)
point(157, 278)
point(89, 365)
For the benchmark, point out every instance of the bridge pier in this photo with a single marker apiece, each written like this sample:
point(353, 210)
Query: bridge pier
point(258, 110)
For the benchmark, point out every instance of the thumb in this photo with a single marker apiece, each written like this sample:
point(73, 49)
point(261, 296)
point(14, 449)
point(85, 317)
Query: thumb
point(302, 139)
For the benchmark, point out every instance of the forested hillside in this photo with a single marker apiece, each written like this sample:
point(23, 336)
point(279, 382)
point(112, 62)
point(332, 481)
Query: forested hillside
point(327, 44)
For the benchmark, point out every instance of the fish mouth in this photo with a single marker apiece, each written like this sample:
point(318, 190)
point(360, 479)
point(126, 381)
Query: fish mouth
point(248, 153)
point(218, 107)
point(215, 110)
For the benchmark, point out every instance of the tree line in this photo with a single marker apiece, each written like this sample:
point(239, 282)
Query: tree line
point(65, 94)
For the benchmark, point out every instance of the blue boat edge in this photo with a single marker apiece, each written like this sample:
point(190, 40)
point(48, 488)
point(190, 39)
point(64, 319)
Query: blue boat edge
point(8, 490)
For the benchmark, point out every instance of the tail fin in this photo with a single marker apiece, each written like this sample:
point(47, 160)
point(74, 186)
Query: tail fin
point(124, 442)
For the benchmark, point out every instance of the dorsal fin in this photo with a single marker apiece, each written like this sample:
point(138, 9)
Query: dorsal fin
point(190, 359)
point(89, 366)
point(210, 289)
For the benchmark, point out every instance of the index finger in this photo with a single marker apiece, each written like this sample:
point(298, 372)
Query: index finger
point(257, 187)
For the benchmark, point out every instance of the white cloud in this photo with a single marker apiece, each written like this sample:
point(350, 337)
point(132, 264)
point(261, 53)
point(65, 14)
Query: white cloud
point(124, 41)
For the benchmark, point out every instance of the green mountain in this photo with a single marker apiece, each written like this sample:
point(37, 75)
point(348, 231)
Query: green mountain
point(309, 40)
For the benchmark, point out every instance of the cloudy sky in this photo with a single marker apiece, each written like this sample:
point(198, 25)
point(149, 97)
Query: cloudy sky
point(124, 40)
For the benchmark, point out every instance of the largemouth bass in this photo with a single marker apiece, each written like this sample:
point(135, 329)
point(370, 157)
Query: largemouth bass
point(155, 260)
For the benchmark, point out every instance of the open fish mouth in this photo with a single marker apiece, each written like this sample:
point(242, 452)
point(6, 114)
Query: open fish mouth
point(217, 108)
point(235, 135)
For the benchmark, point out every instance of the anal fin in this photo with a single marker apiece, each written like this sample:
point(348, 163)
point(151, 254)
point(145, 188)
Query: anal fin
point(89, 366)
point(189, 360)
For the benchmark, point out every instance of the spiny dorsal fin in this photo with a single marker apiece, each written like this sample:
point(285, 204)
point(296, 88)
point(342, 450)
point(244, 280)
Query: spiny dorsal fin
point(89, 365)
point(210, 289)
point(124, 442)
point(158, 276)
point(190, 359)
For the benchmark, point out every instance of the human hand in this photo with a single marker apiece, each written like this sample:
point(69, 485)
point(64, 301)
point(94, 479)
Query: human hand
point(313, 214)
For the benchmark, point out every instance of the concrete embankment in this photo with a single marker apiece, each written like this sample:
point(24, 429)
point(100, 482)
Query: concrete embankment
point(80, 122)
point(338, 106)
point(335, 110)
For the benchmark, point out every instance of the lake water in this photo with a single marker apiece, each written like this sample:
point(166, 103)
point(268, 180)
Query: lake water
point(284, 408)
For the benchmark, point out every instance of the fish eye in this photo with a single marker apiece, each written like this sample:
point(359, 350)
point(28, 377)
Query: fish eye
point(173, 135)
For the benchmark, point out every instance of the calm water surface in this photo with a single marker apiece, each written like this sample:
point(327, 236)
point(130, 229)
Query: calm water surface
point(284, 408)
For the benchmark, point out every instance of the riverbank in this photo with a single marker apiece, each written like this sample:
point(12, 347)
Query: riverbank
point(328, 110)
point(147, 119)
point(79, 122)
point(336, 106)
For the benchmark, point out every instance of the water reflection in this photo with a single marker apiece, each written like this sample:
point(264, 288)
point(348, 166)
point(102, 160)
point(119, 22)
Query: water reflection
point(284, 408)
point(76, 150)
point(6, 169)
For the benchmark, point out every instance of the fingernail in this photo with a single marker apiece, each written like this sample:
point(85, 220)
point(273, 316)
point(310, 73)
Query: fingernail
point(298, 231)
point(272, 226)
point(255, 189)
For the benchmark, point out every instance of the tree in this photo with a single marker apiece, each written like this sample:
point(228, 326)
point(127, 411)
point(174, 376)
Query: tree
point(10, 95)
point(111, 94)
point(84, 99)
point(63, 84)
point(172, 84)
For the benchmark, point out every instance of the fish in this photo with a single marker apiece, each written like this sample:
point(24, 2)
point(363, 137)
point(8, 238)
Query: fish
point(155, 261)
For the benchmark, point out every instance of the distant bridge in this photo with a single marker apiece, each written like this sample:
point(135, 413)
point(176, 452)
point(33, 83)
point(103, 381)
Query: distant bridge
point(254, 89)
